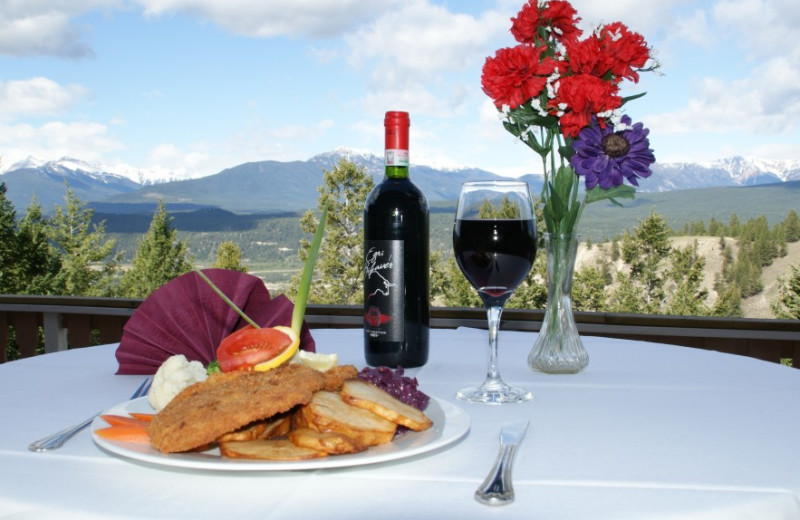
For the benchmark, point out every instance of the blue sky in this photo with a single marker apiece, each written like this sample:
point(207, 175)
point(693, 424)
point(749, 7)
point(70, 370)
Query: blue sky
point(185, 88)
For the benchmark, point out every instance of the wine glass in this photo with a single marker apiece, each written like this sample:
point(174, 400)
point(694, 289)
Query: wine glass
point(494, 240)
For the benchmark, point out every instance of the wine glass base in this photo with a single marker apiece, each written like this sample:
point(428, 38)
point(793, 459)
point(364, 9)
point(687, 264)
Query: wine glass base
point(504, 395)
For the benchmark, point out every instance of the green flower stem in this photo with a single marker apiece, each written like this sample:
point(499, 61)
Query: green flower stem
point(308, 271)
point(305, 282)
point(227, 300)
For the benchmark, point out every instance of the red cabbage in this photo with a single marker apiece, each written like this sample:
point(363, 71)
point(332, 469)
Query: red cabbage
point(395, 383)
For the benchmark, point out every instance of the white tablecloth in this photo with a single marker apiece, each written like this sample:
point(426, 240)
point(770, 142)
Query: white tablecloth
point(647, 431)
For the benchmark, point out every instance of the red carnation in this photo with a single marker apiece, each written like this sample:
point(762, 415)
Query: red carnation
point(626, 51)
point(515, 75)
point(583, 95)
point(559, 15)
point(562, 17)
point(525, 25)
point(587, 57)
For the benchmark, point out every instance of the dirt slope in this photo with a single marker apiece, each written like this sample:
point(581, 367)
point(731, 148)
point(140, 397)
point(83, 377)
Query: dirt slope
point(757, 306)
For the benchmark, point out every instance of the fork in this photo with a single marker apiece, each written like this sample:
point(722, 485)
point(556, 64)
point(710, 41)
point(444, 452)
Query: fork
point(56, 440)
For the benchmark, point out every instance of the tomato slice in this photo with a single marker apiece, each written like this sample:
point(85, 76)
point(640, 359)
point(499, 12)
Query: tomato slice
point(248, 347)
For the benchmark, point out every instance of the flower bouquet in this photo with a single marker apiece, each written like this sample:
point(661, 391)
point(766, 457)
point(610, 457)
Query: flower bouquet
point(559, 93)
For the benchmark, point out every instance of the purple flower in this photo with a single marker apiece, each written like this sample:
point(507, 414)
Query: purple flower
point(604, 157)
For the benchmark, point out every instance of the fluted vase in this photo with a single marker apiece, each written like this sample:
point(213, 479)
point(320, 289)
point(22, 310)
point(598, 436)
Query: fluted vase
point(559, 349)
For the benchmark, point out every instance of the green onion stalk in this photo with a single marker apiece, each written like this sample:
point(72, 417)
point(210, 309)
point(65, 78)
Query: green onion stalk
point(303, 289)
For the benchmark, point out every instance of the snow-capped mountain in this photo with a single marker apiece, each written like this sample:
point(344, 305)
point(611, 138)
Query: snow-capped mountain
point(68, 167)
point(250, 186)
point(750, 171)
point(46, 181)
point(733, 171)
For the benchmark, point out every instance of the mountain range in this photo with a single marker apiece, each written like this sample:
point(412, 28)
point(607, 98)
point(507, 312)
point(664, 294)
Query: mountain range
point(278, 187)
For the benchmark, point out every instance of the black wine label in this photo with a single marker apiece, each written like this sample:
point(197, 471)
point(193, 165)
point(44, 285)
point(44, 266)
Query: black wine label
point(384, 290)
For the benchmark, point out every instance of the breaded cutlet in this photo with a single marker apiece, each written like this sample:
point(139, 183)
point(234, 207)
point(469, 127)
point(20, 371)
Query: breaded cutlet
point(225, 402)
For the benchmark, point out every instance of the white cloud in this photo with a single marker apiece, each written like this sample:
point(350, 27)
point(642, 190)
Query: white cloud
point(56, 139)
point(768, 102)
point(420, 40)
point(37, 96)
point(312, 18)
point(693, 29)
point(418, 57)
point(301, 132)
point(762, 28)
point(45, 27)
point(752, 82)
point(642, 17)
point(176, 164)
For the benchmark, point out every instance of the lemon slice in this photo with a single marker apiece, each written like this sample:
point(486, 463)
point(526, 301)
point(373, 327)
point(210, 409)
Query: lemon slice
point(321, 362)
point(284, 356)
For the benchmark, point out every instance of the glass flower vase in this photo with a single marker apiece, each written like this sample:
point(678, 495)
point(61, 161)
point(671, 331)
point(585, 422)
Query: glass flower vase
point(559, 349)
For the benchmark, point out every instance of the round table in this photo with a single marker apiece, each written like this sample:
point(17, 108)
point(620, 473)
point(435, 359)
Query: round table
point(646, 431)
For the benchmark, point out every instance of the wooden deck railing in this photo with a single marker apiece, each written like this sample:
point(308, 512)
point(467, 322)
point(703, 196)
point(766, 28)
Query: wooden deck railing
point(71, 322)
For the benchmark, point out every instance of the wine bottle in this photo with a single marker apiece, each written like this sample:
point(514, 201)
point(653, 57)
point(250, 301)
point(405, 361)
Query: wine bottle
point(396, 260)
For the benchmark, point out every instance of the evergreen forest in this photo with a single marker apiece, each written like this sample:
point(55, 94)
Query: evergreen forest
point(69, 252)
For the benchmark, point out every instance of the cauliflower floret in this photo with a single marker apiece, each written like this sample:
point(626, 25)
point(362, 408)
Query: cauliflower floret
point(175, 374)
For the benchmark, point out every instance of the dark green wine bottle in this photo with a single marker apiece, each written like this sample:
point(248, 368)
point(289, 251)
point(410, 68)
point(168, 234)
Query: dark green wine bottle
point(396, 260)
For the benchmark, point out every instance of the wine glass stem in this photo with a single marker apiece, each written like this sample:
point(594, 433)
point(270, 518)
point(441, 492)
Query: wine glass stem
point(493, 317)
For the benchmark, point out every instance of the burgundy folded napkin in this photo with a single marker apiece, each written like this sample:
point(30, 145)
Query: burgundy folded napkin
point(185, 316)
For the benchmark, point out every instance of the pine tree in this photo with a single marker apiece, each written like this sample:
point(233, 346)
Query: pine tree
point(82, 246)
point(588, 290)
point(9, 277)
point(38, 262)
point(734, 226)
point(229, 256)
point(645, 252)
point(729, 303)
point(160, 257)
point(340, 264)
point(615, 252)
point(627, 297)
point(791, 225)
point(787, 304)
point(715, 228)
point(686, 273)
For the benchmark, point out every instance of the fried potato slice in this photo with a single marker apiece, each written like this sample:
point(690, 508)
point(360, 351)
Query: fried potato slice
point(369, 397)
point(333, 443)
point(270, 449)
point(277, 426)
point(327, 412)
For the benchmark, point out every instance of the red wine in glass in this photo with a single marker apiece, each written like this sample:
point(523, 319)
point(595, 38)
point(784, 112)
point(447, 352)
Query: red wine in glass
point(494, 241)
point(494, 255)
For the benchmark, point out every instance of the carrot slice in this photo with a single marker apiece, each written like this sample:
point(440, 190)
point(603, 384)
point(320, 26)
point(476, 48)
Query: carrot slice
point(137, 434)
point(146, 417)
point(122, 420)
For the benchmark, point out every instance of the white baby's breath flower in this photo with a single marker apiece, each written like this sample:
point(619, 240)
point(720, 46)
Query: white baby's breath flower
point(541, 111)
point(553, 85)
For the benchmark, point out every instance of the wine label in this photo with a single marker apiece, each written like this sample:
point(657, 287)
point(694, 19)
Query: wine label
point(384, 290)
point(397, 158)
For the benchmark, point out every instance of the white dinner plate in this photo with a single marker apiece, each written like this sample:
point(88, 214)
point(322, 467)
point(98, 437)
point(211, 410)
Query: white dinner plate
point(450, 423)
